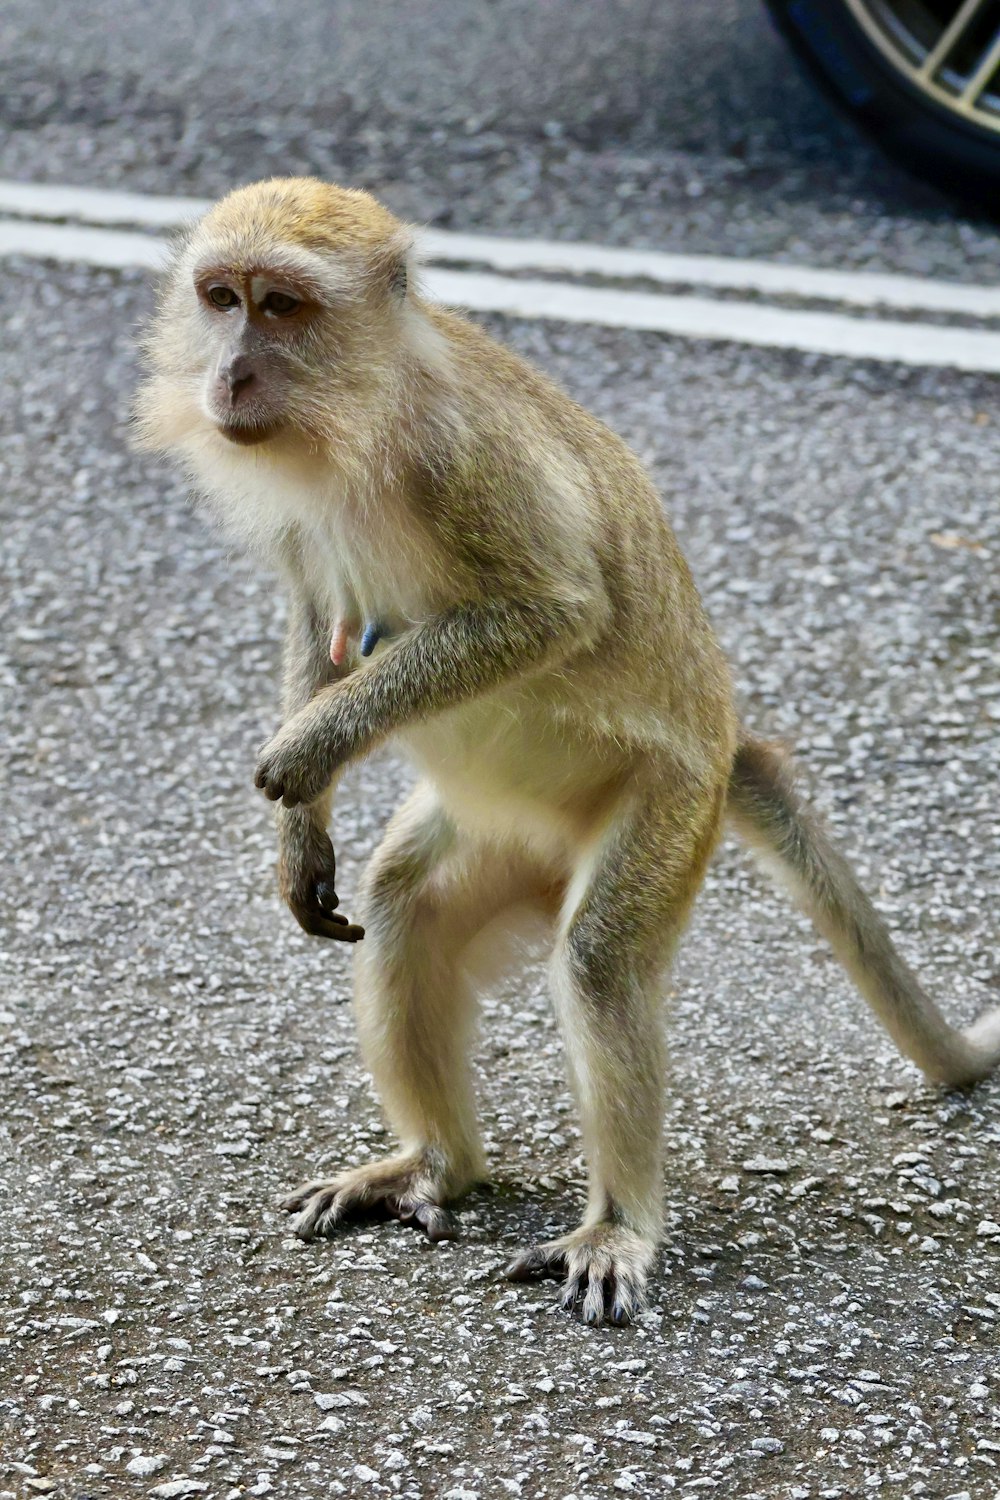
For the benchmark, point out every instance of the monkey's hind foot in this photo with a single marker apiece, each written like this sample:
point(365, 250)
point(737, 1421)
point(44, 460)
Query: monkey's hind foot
point(603, 1267)
point(409, 1188)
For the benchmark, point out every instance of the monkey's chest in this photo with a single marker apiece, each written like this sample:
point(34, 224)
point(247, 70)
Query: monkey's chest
point(362, 577)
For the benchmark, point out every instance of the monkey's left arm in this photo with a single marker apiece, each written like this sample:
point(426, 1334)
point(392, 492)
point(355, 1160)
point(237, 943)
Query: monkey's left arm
point(307, 865)
point(450, 658)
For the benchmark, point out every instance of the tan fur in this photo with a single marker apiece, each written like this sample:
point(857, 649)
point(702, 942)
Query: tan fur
point(547, 665)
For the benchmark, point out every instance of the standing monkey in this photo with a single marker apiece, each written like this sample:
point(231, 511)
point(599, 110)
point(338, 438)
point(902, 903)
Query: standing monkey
point(482, 571)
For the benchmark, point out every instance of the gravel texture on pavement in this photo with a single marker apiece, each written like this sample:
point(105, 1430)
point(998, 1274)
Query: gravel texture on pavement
point(174, 1053)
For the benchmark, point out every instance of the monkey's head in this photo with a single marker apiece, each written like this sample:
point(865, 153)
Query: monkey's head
point(281, 315)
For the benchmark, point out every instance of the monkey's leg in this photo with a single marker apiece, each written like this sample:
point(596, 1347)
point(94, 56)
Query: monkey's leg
point(428, 893)
point(625, 912)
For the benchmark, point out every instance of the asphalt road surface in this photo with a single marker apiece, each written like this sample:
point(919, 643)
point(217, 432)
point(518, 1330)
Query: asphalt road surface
point(174, 1053)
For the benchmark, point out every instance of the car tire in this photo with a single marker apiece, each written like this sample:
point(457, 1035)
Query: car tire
point(872, 83)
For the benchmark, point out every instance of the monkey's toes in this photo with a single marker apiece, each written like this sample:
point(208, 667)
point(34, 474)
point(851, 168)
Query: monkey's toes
point(537, 1262)
point(318, 1213)
point(436, 1222)
point(323, 1208)
point(604, 1271)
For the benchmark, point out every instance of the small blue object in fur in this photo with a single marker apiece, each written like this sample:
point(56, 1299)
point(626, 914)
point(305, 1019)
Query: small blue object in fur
point(370, 639)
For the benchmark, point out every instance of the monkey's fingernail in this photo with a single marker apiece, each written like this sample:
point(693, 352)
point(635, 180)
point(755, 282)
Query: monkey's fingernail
point(572, 1292)
point(326, 895)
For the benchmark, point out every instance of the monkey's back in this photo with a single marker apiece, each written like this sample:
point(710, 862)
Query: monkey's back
point(655, 676)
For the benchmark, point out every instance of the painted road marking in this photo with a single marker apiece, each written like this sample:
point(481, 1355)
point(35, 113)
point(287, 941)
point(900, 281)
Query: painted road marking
point(687, 315)
point(116, 248)
point(726, 322)
point(724, 273)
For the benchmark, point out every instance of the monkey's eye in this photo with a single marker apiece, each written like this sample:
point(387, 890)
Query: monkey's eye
point(222, 297)
point(280, 304)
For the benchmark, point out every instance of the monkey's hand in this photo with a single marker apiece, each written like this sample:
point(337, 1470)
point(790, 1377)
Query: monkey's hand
point(297, 764)
point(307, 870)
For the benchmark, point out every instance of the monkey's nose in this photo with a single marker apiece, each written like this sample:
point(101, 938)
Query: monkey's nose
point(238, 375)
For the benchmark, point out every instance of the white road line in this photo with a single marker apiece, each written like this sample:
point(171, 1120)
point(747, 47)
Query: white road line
point(116, 248)
point(853, 288)
point(728, 322)
point(43, 200)
point(688, 316)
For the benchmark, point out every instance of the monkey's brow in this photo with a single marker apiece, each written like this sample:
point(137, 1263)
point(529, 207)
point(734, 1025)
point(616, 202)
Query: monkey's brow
point(313, 274)
point(315, 281)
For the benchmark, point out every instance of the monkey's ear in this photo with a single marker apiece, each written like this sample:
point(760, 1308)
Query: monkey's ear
point(390, 265)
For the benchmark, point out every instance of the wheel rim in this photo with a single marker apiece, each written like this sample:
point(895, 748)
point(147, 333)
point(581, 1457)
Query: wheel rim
point(949, 50)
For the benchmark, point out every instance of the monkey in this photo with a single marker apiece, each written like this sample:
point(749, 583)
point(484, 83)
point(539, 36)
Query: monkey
point(535, 644)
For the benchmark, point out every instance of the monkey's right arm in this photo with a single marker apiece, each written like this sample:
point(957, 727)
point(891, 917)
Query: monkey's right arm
point(307, 866)
point(451, 658)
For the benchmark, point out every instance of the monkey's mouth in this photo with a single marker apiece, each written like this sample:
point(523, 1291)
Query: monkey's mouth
point(246, 434)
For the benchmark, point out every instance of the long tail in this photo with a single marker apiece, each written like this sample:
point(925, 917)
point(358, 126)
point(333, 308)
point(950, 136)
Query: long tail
point(767, 812)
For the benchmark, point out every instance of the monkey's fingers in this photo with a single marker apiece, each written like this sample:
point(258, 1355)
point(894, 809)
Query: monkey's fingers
point(573, 1289)
point(272, 782)
point(267, 784)
point(322, 1213)
point(617, 1294)
point(318, 923)
point(340, 928)
point(276, 791)
point(293, 1202)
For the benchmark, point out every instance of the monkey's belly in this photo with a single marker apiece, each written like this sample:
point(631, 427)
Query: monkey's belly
point(512, 770)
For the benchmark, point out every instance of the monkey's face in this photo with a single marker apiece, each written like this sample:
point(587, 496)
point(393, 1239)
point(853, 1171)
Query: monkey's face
point(279, 325)
point(257, 324)
point(292, 341)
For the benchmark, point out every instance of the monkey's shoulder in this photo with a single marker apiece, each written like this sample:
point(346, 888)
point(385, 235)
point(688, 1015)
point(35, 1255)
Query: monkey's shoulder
point(523, 439)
